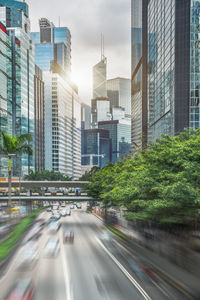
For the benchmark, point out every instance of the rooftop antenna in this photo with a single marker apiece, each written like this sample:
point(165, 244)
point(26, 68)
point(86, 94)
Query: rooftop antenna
point(102, 47)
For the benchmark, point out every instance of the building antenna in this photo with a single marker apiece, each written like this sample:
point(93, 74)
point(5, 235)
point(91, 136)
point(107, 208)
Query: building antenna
point(102, 46)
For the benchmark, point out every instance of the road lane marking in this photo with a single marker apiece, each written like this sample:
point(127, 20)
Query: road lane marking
point(126, 273)
point(68, 286)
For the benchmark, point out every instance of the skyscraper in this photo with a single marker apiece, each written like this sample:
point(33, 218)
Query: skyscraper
point(39, 119)
point(99, 79)
point(119, 94)
point(170, 61)
point(52, 44)
point(100, 110)
point(120, 135)
point(138, 80)
point(14, 16)
point(62, 106)
point(96, 148)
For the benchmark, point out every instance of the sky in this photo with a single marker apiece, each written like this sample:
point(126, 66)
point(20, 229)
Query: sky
point(87, 19)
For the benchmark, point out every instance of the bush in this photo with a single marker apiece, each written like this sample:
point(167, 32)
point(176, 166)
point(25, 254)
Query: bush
point(7, 245)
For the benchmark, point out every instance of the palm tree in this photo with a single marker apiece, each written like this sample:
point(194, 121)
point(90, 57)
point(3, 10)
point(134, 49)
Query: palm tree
point(12, 146)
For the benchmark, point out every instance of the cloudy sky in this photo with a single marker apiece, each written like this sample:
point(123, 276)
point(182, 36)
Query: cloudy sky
point(86, 19)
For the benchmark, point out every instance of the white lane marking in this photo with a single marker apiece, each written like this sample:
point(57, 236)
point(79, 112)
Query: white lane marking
point(68, 285)
point(126, 273)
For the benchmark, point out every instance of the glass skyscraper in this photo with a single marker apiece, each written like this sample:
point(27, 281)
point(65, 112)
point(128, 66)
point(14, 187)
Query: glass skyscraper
point(99, 79)
point(138, 103)
point(96, 147)
point(120, 135)
point(61, 101)
point(171, 79)
point(119, 94)
point(14, 16)
point(52, 44)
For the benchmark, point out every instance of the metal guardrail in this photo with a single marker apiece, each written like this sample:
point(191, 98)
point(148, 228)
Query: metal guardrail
point(47, 198)
point(45, 184)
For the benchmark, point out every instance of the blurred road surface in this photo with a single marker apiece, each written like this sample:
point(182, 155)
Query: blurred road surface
point(95, 266)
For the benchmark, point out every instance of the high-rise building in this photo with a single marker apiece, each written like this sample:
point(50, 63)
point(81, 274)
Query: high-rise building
point(14, 16)
point(39, 119)
point(119, 94)
point(96, 148)
point(99, 79)
point(85, 116)
point(52, 44)
point(170, 61)
point(138, 80)
point(62, 106)
point(120, 135)
point(6, 87)
point(100, 111)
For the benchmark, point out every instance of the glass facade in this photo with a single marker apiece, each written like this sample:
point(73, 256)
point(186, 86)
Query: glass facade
point(195, 64)
point(99, 79)
point(161, 68)
point(21, 84)
point(63, 116)
point(120, 134)
point(119, 93)
point(96, 143)
point(100, 111)
point(52, 44)
point(44, 54)
point(136, 69)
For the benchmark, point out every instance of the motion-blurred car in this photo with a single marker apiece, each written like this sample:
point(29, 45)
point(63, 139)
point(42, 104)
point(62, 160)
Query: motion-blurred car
point(28, 256)
point(63, 213)
point(63, 204)
point(52, 247)
point(68, 237)
point(57, 216)
point(52, 219)
point(21, 290)
point(53, 227)
point(72, 206)
point(68, 212)
point(49, 209)
point(78, 205)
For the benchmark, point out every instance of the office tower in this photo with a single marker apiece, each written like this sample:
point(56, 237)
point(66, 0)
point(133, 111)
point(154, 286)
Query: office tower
point(120, 134)
point(171, 36)
point(100, 110)
point(52, 44)
point(119, 94)
point(62, 106)
point(138, 80)
point(62, 125)
point(96, 148)
point(14, 16)
point(85, 116)
point(99, 78)
point(39, 119)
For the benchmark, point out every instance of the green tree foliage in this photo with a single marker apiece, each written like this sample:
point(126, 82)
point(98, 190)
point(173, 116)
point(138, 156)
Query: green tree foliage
point(88, 175)
point(47, 175)
point(160, 184)
point(15, 144)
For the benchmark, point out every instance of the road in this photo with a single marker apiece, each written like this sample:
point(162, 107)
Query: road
point(96, 266)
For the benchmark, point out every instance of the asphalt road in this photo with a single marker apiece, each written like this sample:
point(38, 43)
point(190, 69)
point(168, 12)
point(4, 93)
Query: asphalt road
point(96, 266)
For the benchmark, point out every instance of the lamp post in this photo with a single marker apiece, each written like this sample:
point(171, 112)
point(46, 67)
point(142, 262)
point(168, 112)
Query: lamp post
point(10, 180)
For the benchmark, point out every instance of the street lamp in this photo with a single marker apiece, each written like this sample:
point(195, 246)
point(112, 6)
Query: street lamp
point(10, 180)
